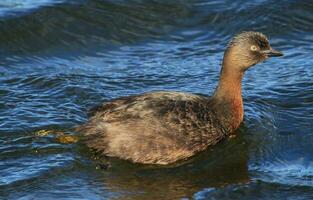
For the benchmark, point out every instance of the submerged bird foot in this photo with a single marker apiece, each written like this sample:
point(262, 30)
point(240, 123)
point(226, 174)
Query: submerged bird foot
point(67, 139)
point(61, 136)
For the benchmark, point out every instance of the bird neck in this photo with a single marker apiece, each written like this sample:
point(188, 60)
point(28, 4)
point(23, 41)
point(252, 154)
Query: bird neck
point(229, 86)
point(228, 94)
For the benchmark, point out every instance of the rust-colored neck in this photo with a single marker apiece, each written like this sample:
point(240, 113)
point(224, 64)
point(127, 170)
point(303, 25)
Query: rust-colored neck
point(228, 93)
point(229, 85)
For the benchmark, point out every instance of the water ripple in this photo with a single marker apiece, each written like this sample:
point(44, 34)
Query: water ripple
point(13, 7)
point(59, 58)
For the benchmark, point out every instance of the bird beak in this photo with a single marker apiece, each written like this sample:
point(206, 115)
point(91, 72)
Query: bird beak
point(272, 53)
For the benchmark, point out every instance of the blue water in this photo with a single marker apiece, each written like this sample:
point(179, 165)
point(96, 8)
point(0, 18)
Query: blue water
point(17, 7)
point(60, 58)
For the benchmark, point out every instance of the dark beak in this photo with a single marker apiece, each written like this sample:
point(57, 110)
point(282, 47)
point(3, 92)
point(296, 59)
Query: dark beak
point(272, 53)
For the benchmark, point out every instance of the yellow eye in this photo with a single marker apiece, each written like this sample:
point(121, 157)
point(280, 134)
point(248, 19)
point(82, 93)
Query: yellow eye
point(253, 48)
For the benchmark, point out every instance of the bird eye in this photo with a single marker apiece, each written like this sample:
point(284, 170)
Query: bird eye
point(253, 48)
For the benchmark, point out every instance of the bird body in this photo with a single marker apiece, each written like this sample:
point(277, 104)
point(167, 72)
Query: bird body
point(160, 127)
point(164, 127)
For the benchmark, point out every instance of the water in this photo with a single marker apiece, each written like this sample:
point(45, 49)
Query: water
point(60, 58)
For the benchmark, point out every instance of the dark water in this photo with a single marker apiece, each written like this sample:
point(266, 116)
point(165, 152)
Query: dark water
point(59, 58)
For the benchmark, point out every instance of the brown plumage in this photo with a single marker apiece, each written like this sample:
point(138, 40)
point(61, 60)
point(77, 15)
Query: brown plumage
point(165, 127)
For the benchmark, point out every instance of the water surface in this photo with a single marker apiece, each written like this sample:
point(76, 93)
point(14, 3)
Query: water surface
point(60, 58)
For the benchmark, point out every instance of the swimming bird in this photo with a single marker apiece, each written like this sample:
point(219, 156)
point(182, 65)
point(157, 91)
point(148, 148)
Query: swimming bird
point(165, 127)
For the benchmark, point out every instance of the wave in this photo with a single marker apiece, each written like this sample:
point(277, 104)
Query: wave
point(16, 7)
